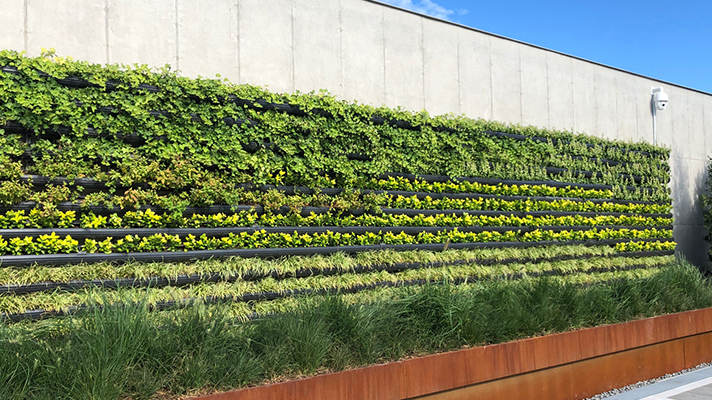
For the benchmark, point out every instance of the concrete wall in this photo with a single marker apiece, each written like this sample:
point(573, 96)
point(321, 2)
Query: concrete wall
point(377, 54)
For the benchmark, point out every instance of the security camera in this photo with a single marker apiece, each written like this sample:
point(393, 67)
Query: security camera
point(660, 98)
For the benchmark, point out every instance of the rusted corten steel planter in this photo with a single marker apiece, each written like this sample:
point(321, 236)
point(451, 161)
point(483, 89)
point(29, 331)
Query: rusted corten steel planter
point(570, 365)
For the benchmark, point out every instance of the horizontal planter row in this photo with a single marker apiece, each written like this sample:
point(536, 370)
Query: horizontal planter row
point(269, 296)
point(442, 195)
point(414, 212)
point(132, 138)
point(589, 174)
point(94, 185)
point(610, 163)
point(80, 83)
point(86, 233)
point(557, 141)
point(76, 82)
point(307, 210)
point(85, 258)
point(104, 210)
point(90, 185)
point(495, 181)
point(211, 210)
point(183, 280)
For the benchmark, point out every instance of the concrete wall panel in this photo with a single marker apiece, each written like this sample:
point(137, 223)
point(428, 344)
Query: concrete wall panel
point(626, 98)
point(606, 103)
point(561, 93)
point(12, 25)
point(73, 28)
point(535, 90)
point(441, 68)
point(698, 141)
point(317, 46)
point(688, 183)
point(362, 52)
point(698, 178)
point(265, 34)
point(207, 49)
point(404, 60)
point(584, 92)
point(679, 110)
point(644, 116)
point(683, 191)
point(691, 243)
point(506, 81)
point(707, 123)
point(475, 75)
point(154, 27)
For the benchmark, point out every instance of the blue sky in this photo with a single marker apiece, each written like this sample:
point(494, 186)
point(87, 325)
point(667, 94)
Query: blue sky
point(666, 40)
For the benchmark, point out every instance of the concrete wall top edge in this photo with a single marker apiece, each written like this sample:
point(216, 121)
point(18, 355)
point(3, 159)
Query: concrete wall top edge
point(444, 21)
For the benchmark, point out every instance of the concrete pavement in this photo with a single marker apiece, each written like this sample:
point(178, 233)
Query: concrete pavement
point(695, 385)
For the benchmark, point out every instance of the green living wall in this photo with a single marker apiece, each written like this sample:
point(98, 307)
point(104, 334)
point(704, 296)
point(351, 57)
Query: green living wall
point(104, 165)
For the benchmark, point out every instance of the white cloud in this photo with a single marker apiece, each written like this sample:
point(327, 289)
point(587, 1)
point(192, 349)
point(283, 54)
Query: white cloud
point(427, 7)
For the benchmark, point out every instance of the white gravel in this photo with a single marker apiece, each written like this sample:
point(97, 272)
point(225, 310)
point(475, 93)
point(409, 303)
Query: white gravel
point(645, 383)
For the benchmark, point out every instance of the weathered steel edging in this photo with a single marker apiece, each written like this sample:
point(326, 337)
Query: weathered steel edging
point(569, 365)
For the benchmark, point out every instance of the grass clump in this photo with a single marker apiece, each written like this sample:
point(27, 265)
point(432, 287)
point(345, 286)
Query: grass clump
point(129, 352)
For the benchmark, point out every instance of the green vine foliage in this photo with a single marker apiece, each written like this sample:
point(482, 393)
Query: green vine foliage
point(131, 138)
point(127, 134)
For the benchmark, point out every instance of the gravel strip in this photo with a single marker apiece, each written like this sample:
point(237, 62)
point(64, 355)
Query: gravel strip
point(645, 383)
